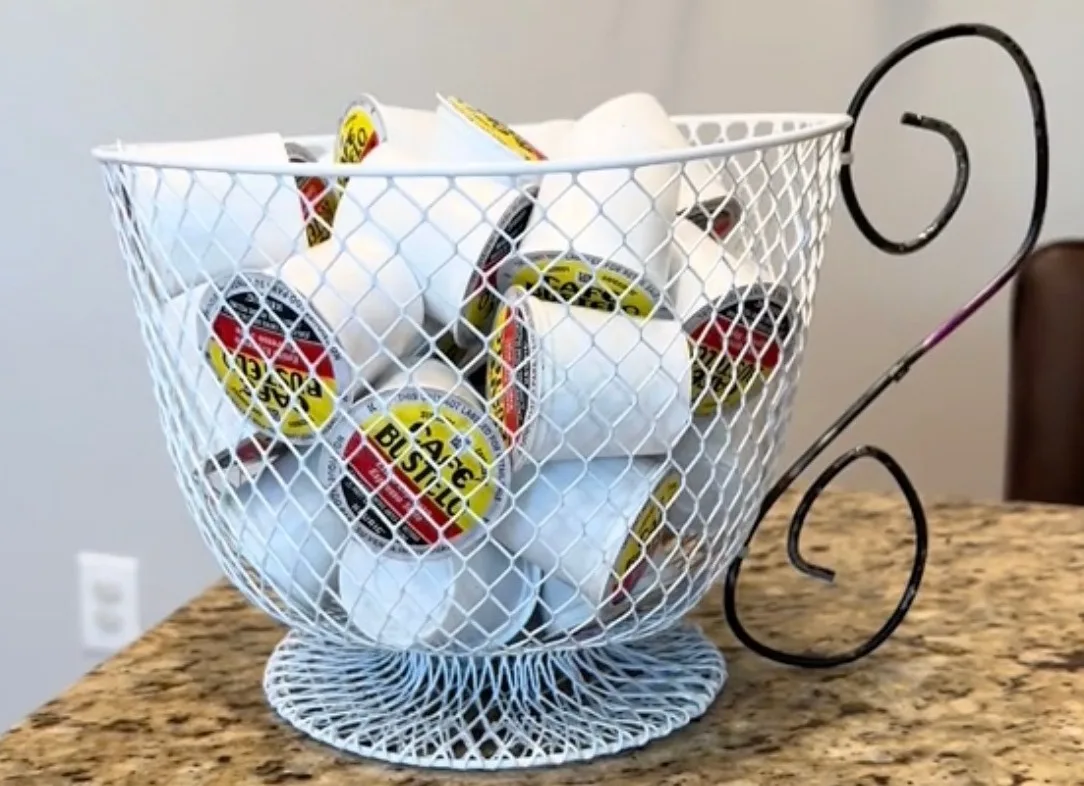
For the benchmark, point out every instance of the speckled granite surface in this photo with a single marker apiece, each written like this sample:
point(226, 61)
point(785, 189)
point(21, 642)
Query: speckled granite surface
point(983, 685)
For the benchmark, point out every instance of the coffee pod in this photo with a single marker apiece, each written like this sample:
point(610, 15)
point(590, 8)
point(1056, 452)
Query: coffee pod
point(591, 524)
point(737, 317)
point(713, 210)
point(417, 467)
point(547, 136)
point(361, 130)
point(465, 134)
point(600, 238)
point(452, 232)
point(287, 531)
point(703, 271)
point(287, 345)
point(319, 197)
point(704, 196)
point(717, 488)
point(196, 225)
point(565, 382)
point(564, 612)
point(563, 609)
point(214, 423)
point(466, 598)
point(407, 128)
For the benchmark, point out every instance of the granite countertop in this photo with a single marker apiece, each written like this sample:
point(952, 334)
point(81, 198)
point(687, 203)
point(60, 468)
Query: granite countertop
point(984, 684)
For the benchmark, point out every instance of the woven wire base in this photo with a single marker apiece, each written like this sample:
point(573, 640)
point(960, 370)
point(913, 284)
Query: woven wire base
point(505, 712)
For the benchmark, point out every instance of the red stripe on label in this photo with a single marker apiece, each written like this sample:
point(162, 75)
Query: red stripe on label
point(376, 471)
point(306, 357)
point(508, 359)
point(741, 343)
point(312, 191)
point(722, 225)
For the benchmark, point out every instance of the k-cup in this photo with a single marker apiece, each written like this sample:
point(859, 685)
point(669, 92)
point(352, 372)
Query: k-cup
point(717, 486)
point(361, 130)
point(591, 524)
point(563, 609)
point(474, 597)
point(198, 225)
point(319, 197)
point(600, 238)
point(287, 531)
point(417, 467)
point(737, 317)
point(407, 128)
point(287, 345)
point(564, 612)
point(703, 195)
point(565, 382)
point(214, 424)
point(452, 232)
point(465, 134)
point(548, 136)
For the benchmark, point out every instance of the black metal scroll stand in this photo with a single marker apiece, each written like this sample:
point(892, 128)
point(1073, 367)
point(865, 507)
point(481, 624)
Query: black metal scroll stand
point(902, 366)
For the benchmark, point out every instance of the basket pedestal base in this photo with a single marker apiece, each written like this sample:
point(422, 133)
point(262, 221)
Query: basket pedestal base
point(495, 713)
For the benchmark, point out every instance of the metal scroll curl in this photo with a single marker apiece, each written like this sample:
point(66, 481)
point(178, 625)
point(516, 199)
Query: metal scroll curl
point(901, 367)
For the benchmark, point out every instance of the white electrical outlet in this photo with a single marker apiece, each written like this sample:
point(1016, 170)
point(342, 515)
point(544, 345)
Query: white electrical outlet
point(108, 601)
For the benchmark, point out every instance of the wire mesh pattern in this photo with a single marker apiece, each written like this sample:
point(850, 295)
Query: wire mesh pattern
point(428, 416)
point(516, 711)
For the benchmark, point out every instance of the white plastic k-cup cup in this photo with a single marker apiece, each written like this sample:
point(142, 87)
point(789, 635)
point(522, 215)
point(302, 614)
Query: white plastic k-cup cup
point(198, 225)
point(319, 197)
point(289, 344)
point(593, 524)
point(562, 610)
point(452, 232)
point(715, 483)
point(465, 134)
point(476, 596)
point(565, 382)
point(287, 530)
point(548, 136)
point(216, 423)
point(703, 195)
point(600, 238)
point(417, 467)
point(405, 127)
point(736, 315)
point(703, 272)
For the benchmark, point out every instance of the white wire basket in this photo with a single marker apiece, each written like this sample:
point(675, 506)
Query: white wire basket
point(480, 434)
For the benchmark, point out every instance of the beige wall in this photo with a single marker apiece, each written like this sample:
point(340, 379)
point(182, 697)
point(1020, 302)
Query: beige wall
point(85, 468)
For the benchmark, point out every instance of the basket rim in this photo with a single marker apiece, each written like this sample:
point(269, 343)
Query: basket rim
point(149, 155)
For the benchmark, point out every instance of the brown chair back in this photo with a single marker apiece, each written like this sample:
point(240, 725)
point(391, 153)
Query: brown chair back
point(1045, 461)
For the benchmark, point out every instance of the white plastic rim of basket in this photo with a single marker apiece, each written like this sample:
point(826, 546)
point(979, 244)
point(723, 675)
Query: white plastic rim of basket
point(198, 226)
point(735, 313)
point(565, 382)
point(600, 238)
point(287, 530)
point(287, 345)
point(450, 232)
point(702, 191)
point(215, 424)
point(593, 524)
point(476, 596)
point(417, 467)
point(466, 133)
point(548, 135)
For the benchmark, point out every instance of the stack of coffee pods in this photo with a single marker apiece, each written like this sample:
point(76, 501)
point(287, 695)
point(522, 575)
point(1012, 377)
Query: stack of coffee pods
point(503, 407)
